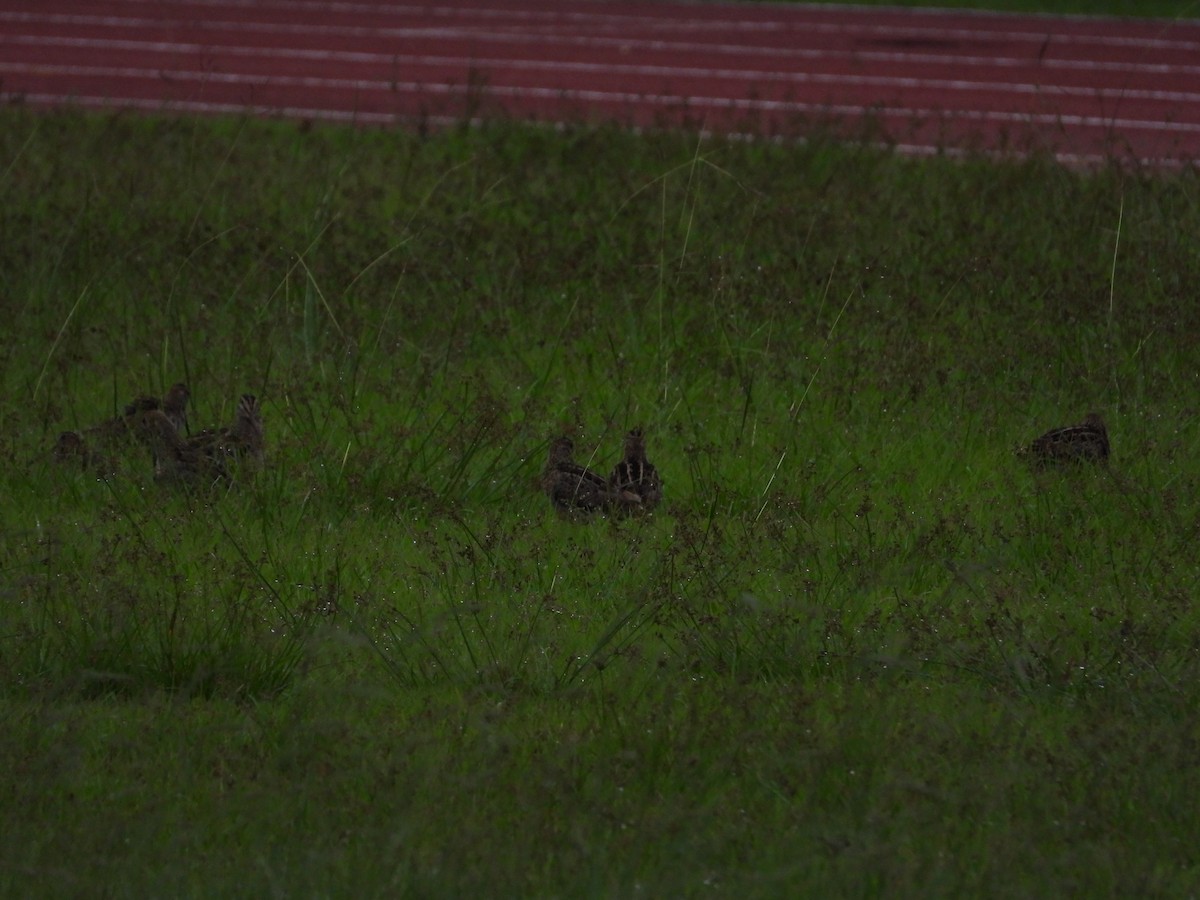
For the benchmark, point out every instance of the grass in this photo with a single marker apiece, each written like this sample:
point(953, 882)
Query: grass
point(859, 649)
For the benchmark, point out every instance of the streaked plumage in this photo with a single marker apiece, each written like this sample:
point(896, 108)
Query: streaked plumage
point(174, 404)
point(572, 488)
point(1085, 442)
point(246, 433)
point(635, 476)
point(140, 404)
point(177, 461)
point(117, 431)
point(242, 440)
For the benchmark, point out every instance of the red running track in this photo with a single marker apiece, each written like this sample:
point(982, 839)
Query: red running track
point(1084, 89)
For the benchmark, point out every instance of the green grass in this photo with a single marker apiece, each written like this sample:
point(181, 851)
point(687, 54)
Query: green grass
point(859, 649)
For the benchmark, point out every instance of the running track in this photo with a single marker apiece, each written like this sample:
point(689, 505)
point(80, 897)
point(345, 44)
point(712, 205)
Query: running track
point(1084, 89)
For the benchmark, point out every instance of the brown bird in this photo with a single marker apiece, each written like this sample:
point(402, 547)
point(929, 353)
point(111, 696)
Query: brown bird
point(140, 404)
point(177, 461)
point(1085, 442)
point(117, 431)
point(174, 404)
point(72, 449)
point(575, 490)
point(246, 433)
point(242, 440)
point(635, 476)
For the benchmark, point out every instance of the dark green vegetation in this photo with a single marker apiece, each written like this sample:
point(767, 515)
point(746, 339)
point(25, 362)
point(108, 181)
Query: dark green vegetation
point(859, 648)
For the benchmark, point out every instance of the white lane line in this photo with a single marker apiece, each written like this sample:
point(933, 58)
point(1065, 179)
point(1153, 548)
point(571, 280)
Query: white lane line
point(762, 54)
point(368, 118)
point(486, 31)
point(467, 63)
point(627, 98)
point(291, 112)
point(785, 19)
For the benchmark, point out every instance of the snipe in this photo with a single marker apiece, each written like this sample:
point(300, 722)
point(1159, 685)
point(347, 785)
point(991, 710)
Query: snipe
point(242, 440)
point(174, 404)
point(634, 477)
point(117, 431)
point(574, 489)
point(1085, 442)
point(177, 461)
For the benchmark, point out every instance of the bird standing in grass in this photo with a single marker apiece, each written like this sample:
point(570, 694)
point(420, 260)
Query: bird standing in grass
point(246, 433)
point(174, 404)
point(634, 478)
point(575, 490)
point(117, 431)
point(1085, 442)
point(177, 461)
point(242, 440)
